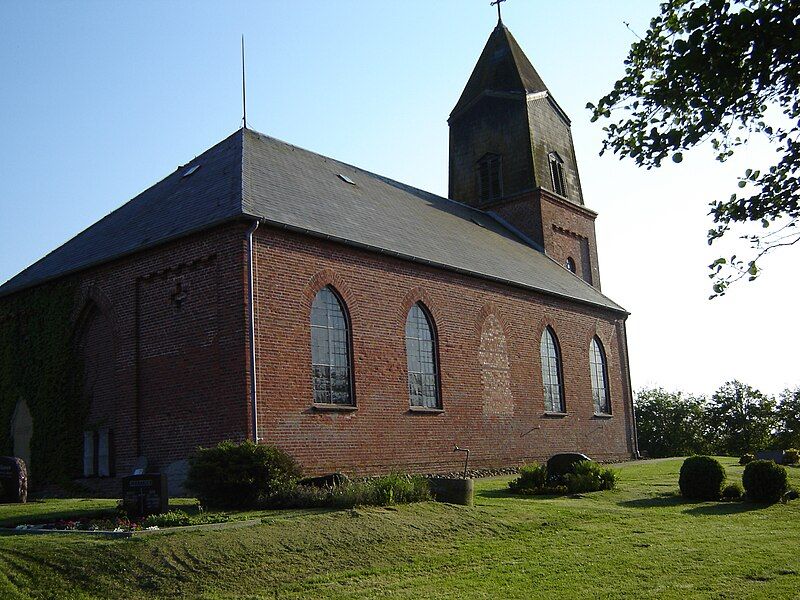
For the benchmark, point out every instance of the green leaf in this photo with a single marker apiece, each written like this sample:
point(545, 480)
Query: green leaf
point(677, 157)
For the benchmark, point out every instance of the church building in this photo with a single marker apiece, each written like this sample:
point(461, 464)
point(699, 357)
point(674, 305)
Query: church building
point(266, 292)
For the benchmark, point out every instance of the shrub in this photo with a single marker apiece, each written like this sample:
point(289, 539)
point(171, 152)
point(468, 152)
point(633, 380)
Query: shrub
point(179, 518)
point(764, 481)
point(701, 478)
point(732, 491)
point(586, 476)
point(590, 477)
point(380, 491)
point(531, 477)
point(173, 518)
point(608, 478)
point(746, 458)
point(791, 456)
point(231, 475)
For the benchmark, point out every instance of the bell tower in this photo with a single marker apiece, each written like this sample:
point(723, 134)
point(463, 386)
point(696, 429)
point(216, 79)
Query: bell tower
point(511, 153)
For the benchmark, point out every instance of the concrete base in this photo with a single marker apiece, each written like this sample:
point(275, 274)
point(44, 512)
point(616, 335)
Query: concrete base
point(452, 490)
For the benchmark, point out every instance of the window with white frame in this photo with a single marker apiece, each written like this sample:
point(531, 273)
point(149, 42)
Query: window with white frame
point(599, 372)
point(423, 388)
point(551, 373)
point(330, 350)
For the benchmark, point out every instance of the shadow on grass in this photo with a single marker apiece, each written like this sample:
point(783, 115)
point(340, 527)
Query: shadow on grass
point(661, 500)
point(502, 493)
point(509, 494)
point(723, 508)
point(668, 499)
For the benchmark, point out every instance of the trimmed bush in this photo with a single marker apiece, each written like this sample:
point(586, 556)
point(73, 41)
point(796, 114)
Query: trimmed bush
point(231, 475)
point(701, 478)
point(791, 456)
point(732, 491)
point(746, 458)
point(764, 481)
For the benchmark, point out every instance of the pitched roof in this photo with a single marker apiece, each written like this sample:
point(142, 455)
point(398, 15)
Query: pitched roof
point(253, 175)
point(502, 67)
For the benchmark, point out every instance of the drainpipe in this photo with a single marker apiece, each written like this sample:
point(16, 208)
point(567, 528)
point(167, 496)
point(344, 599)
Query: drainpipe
point(253, 392)
point(634, 433)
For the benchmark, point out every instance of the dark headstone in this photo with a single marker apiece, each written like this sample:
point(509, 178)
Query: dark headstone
point(330, 480)
point(13, 479)
point(774, 455)
point(562, 464)
point(144, 495)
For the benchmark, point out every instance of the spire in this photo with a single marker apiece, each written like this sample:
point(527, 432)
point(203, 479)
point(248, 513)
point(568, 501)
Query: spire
point(502, 68)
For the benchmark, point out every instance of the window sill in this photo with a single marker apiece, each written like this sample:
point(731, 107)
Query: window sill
point(334, 407)
point(425, 409)
point(603, 415)
point(557, 415)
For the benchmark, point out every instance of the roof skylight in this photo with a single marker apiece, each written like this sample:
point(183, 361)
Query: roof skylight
point(190, 170)
point(345, 178)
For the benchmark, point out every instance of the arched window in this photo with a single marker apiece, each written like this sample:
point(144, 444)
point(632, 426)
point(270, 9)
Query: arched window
point(330, 350)
point(423, 388)
point(551, 372)
point(570, 264)
point(599, 372)
point(557, 174)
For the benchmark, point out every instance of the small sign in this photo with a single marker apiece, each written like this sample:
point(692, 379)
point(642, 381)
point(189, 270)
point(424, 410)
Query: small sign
point(13, 479)
point(144, 495)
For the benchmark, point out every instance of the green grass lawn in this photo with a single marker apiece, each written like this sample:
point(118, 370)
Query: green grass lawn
point(638, 541)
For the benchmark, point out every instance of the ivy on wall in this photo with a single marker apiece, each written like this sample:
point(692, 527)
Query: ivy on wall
point(39, 364)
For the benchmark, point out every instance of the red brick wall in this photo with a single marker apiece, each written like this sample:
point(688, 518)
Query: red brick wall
point(491, 379)
point(165, 378)
point(168, 376)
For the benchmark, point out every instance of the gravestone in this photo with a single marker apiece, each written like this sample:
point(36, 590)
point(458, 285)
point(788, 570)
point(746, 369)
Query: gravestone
point(562, 464)
point(144, 495)
point(176, 473)
point(13, 479)
point(774, 455)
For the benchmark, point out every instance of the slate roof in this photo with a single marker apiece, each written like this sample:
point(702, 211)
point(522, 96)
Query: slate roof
point(502, 67)
point(253, 175)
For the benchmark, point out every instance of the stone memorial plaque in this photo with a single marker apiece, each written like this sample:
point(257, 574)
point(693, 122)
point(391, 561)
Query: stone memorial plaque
point(773, 455)
point(144, 495)
point(13, 479)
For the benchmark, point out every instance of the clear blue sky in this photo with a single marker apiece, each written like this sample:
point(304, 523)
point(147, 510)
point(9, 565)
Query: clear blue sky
point(101, 99)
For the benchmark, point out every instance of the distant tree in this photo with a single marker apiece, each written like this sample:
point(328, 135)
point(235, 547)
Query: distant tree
point(740, 419)
point(669, 423)
point(788, 435)
point(719, 71)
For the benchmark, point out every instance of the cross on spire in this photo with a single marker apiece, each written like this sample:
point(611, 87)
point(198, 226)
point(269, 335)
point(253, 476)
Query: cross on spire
point(497, 3)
